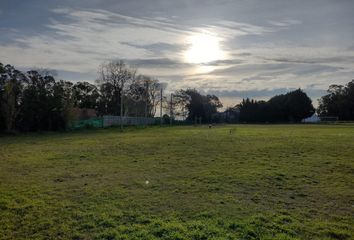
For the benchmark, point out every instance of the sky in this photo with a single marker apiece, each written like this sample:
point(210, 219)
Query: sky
point(231, 48)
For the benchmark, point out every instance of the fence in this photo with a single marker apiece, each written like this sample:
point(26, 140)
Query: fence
point(107, 121)
point(92, 122)
point(328, 119)
point(115, 120)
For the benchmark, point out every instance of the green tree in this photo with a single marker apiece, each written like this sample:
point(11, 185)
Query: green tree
point(298, 105)
point(339, 102)
point(46, 103)
point(2, 119)
point(11, 84)
point(290, 107)
point(85, 95)
point(198, 105)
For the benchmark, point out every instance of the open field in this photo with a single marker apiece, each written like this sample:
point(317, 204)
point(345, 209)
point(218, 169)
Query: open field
point(253, 182)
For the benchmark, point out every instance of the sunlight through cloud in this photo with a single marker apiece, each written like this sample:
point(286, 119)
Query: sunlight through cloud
point(204, 48)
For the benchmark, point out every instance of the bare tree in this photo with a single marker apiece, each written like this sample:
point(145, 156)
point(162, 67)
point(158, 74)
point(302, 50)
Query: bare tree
point(180, 101)
point(118, 76)
point(171, 105)
point(152, 96)
point(161, 87)
point(145, 95)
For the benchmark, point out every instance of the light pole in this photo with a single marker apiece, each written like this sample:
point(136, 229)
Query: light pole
point(121, 108)
point(161, 106)
point(161, 87)
point(146, 98)
point(171, 111)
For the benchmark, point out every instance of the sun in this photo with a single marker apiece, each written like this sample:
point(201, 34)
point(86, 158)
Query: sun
point(203, 48)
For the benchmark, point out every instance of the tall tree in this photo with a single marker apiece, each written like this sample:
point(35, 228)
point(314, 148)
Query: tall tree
point(114, 78)
point(62, 105)
point(11, 84)
point(85, 95)
point(36, 108)
point(2, 119)
point(198, 106)
point(298, 105)
point(290, 107)
point(144, 94)
point(339, 102)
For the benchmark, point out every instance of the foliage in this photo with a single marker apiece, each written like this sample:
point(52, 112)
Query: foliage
point(2, 119)
point(86, 95)
point(232, 115)
point(166, 119)
point(256, 182)
point(339, 102)
point(140, 93)
point(290, 107)
point(198, 106)
point(114, 78)
point(11, 85)
point(46, 103)
point(143, 97)
point(35, 101)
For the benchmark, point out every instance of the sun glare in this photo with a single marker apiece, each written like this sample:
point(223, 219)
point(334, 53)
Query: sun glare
point(203, 48)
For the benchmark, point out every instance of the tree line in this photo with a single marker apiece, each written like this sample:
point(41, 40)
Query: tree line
point(193, 106)
point(339, 102)
point(290, 107)
point(295, 106)
point(36, 101)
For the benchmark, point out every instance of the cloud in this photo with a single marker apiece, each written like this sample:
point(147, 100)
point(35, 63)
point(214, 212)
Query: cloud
point(80, 45)
point(242, 54)
point(269, 76)
point(157, 63)
point(225, 62)
point(87, 37)
point(285, 23)
point(231, 29)
point(159, 47)
point(264, 93)
point(233, 97)
point(267, 47)
point(318, 60)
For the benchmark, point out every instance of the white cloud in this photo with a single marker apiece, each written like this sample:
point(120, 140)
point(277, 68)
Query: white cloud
point(93, 35)
point(79, 40)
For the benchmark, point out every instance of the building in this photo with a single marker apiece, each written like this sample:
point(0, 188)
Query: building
point(313, 119)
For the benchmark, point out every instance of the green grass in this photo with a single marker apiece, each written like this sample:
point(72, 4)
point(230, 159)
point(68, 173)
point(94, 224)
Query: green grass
point(253, 182)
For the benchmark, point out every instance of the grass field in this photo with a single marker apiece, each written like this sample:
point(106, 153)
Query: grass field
point(228, 182)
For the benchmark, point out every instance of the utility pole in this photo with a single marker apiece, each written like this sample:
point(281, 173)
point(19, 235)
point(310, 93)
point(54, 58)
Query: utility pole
point(146, 97)
point(171, 113)
point(161, 107)
point(121, 107)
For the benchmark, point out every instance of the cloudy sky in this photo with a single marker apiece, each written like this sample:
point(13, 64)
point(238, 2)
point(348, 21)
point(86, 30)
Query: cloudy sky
point(232, 48)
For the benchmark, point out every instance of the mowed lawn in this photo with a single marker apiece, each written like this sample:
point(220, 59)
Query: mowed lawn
point(228, 182)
